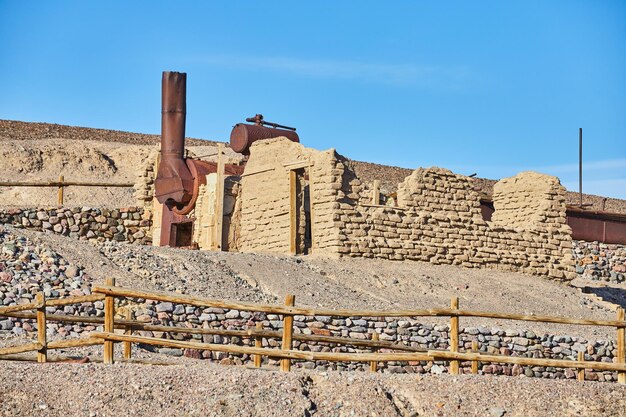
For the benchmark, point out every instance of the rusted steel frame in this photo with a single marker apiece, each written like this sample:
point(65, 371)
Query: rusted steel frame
point(597, 229)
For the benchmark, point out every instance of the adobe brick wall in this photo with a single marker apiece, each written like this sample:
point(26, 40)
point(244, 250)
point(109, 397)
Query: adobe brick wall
point(437, 220)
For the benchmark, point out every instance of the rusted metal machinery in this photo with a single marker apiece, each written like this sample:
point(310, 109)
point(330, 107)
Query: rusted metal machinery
point(179, 178)
point(243, 136)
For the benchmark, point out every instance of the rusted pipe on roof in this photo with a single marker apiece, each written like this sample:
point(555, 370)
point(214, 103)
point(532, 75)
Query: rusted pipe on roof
point(174, 182)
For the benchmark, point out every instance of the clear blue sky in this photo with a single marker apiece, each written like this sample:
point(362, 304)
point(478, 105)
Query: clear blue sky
point(475, 86)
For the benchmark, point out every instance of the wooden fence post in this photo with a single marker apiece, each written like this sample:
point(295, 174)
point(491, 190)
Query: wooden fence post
point(621, 348)
point(475, 362)
point(580, 373)
point(109, 315)
point(374, 364)
point(376, 193)
point(42, 354)
point(128, 346)
point(285, 364)
point(258, 344)
point(60, 192)
point(454, 336)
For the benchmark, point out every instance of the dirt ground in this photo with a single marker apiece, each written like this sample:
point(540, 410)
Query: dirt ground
point(213, 390)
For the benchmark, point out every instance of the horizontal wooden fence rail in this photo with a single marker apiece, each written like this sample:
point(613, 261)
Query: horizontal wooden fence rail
point(61, 183)
point(42, 346)
point(300, 311)
point(522, 360)
point(393, 351)
point(65, 184)
point(274, 353)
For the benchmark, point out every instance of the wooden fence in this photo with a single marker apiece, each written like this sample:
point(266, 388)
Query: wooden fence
point(61, 183)
point(393, 351)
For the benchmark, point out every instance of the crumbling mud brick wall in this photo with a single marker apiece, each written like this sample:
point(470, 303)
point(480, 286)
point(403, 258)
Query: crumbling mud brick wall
point(144, 185)
point(438, 217)
point(204, 212)
point(265, 196)
point(438, 220)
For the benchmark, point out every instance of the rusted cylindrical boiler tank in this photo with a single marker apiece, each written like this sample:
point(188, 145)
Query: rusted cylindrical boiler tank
point(174, 181)
point(243, 136)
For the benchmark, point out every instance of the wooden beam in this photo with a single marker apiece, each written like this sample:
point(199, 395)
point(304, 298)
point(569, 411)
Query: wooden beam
point(520, 360)
point(219, 201)
point(374, 364)
point(70, 343)
point(20, 307)
point(293, 212)
point(60, 192)
point(42, 354)
point(454, 335)
point(128, 346)
point(580, 374)
point(258, 343)
point(305, 311)
point(287, 343)
point(109, 323)
point(28, 347)
point(475, 362)
point(247, 174)
point(376, 192)
point(119, 324)
point(385, 207)
point(621, 346)
point(312, 210)
point(298, 164)
point(276, 353)
point(74, 300)
point(64, 183)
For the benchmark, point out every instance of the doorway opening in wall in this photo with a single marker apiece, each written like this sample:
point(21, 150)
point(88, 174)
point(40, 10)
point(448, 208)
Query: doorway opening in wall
point(181, 234)
point(300, 212)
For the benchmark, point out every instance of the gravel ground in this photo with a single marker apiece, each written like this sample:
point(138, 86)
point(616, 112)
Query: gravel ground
point(357, 283)
point(212, 390)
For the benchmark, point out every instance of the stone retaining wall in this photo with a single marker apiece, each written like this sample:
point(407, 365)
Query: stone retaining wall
point(600, 261)
point(130, 224)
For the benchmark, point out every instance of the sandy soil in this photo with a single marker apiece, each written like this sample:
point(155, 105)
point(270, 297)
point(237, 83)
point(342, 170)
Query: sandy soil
point(212, 390)
point(79, 160)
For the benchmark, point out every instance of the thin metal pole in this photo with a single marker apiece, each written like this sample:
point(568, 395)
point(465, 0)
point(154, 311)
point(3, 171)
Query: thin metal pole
point(580, 164)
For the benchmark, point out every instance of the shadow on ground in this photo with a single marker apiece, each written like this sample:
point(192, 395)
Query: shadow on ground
point(611, 295)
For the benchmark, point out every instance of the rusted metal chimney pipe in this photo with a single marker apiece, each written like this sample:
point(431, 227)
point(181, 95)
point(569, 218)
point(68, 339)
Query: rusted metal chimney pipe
point(174, 182)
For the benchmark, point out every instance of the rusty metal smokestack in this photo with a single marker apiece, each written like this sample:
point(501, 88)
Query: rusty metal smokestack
point(174, 183)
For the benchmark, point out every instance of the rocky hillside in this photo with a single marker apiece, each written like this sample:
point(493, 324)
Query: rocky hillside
point(389, 176)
